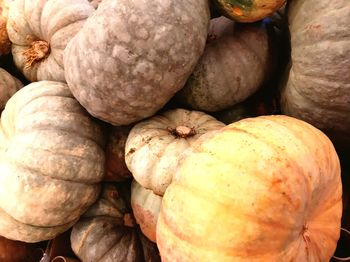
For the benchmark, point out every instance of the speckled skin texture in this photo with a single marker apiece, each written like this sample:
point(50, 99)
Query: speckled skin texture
point(152, 151)
point(8, 86)
point(132, 56)
point(51, 162)
point(104, 235)
point(145, 206)
point(54, 21)
point(318, 85)
point(234, 65)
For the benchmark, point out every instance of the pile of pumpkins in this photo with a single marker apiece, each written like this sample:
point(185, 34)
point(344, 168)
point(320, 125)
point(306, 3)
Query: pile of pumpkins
point(161, 130)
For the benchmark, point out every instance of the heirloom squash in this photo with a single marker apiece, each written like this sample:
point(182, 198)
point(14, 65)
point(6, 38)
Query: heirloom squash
point(248, 10)
point(154, 146)
point(107, 232)
point(234, 65)
point(5, 44)
point(51, 162)
point(318, 83)
point(260, 189)
point(145, 206)
point(131, 57)
point(39, 32)
point(8, 86)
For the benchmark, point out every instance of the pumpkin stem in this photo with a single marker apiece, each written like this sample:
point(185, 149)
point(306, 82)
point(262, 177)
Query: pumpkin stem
point(38, 51)
point(343, 258)
point(182, 131)
point(129, 220)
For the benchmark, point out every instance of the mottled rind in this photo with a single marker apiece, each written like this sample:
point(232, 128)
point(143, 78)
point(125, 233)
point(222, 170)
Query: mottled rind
point(131, 57)
point(8, 86)
point(153, 151)
point(55, 22)
point(234, 65)
point(51, 162)
point(317, 89)
point(260, 189)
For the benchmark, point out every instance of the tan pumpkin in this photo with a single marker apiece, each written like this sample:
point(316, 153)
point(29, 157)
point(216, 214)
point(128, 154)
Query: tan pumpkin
point(235, 64)
point(131, 57)
point(145, 206)
point(154, 146)
point(39, 32)
point(107, 232)
point(116, 169)
point(51, 162)
point(8, 86)
point(5, 44)
point(317, 89)
point(260, 189)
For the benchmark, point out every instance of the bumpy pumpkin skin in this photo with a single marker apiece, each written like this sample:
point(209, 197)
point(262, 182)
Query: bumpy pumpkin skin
point(233, 66)
point(318, 85)
point(131, 57)
point(261, 189)
point(107, 232)
point(154, 146)
point(39, 32)
point(5, 44)
point(248, 10)
point(51, 160)
point(145, 206)
point(8, 86)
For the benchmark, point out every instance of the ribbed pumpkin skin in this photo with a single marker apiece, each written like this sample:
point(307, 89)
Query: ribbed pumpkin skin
point(233, 66)
point(131, 57)
point(248, 10)
point(318, 86)
point(51, 160)
point(261, 189)
point(5, 44)
point(153, 147)
point(8, 86)
point(145, 206)
point(54, 22)
point(104, 235)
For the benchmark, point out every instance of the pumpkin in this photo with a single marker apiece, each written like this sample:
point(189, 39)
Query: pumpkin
point(116, 169)
point(131, 57)
point(5, 44)
point(260, 189)
point(145, 206)
point(15, 251)
point(8, 86)
point(234, 65)
point(154, 146)
point(51, 162)
point(39, 32)
point(317, 88)
point(107, 232)
point(248, 10)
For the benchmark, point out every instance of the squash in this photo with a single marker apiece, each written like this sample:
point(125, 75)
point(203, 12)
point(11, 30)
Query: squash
point(116, 169)
point(317, 86)
point(130, 57)
point(248, 10)
point(15, 251)
point(235, 64)
point(260, 189)
point(145, 206)
point(107, 232)
point(51, 162)
point(154, 146)
point(5, 44)
point(39, 32)
point(8, 86)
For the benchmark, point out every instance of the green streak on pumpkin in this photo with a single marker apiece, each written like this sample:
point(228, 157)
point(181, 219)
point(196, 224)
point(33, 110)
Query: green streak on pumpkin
point(243, 4)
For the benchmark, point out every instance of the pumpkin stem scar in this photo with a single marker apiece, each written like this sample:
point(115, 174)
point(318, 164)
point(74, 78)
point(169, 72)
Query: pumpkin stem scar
point(182, 131)
point(306, 235)
point(343, 258)
point(38, 51)
point(129, 220)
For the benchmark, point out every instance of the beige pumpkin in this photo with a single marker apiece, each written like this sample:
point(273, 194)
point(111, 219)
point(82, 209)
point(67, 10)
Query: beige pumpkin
point(8, 86)
point(39, 32)
point(145, 206)
point(154, 146)
point(260, 189)
point(235, 63)
point(51, 162)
